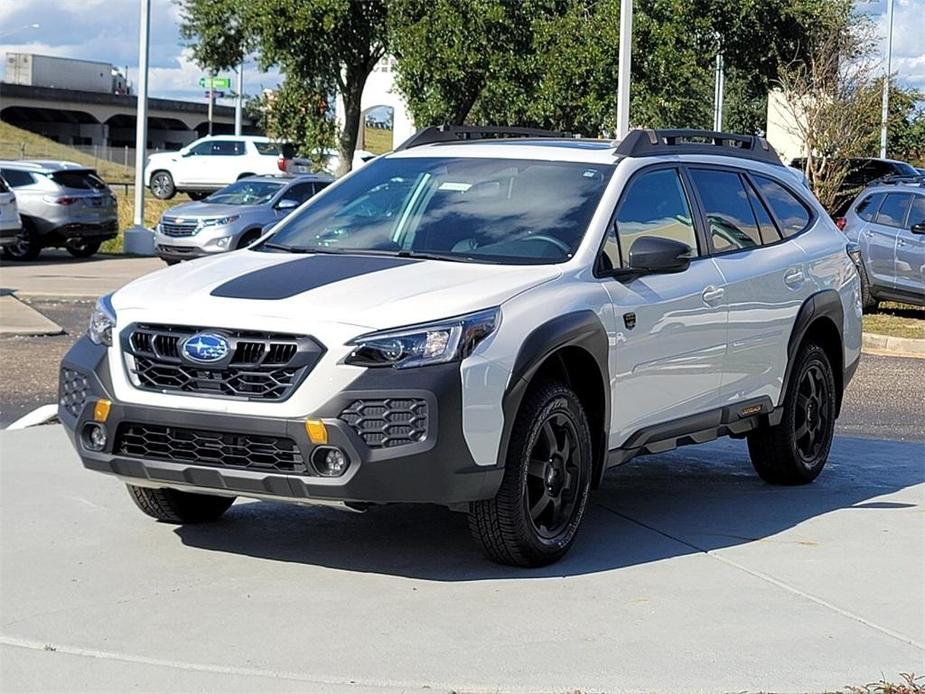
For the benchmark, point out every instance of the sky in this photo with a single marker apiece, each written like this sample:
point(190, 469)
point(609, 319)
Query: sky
point(107, 31)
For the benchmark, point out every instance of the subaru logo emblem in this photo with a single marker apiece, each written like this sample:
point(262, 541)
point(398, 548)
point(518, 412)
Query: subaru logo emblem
point(206, 347)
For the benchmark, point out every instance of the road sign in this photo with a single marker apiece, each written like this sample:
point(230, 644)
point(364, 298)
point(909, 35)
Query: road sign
point(215, 94)
point(216, 82)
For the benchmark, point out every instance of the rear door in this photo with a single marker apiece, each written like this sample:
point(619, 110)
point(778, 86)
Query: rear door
point(764, 276)
point(881, 237)
point(672, 327)
point(910, 251)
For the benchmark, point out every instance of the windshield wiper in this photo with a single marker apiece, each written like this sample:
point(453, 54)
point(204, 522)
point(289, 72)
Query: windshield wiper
point(435, 256)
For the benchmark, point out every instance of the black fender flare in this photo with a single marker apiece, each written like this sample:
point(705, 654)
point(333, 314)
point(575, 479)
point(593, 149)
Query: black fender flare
point(582, 329)
point(823, 304)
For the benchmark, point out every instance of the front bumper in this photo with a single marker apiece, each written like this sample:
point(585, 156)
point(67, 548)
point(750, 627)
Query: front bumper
point(8, 234)
point(437, 469)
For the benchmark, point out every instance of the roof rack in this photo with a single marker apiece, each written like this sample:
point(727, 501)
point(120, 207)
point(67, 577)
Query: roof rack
point(465, 133)
point(647, 143)
point(897, 179)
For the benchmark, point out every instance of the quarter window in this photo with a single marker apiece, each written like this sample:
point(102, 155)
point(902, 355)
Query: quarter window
point(868, 207)
point(654, 205)
point(792, 215)
point(730, 217)
point(893, 210)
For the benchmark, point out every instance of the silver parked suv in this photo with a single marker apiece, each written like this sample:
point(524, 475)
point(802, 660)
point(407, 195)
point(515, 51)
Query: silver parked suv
point(887, 220)
point(61, 204)
point(233, 217)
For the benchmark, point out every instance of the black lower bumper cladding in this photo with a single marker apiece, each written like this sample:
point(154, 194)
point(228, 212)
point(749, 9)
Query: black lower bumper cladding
point(267, 456)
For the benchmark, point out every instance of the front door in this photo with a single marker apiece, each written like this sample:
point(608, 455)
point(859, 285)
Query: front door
point(671, 328)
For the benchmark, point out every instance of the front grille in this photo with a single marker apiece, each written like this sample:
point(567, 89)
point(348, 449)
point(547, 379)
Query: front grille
point(388, 423)
point(72, 391)
point(260, 366)
point(177, 229)
point(214, 448)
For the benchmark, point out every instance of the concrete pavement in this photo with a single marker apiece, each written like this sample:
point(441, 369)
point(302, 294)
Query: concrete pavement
point(59, 275)
point(18, 318)
point(689, 575)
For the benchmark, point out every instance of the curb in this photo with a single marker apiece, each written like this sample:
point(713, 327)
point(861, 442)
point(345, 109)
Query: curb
point(887, 345)
point(17, 318)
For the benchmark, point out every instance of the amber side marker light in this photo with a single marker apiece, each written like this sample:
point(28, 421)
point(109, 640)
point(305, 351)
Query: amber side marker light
point(317, 433)
point(101, 410)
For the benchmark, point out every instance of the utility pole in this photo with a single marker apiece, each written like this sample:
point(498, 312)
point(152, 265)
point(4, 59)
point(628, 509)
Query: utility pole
point(138, 239)
point(239, 100)
point(885, 112)
point(719, 87)
point(211, 98)
point(623, 68)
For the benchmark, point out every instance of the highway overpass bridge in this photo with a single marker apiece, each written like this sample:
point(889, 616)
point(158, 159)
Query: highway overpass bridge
point(89, 118)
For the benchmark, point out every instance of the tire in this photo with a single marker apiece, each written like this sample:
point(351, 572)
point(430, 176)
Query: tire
point(172, 506)
point(170, 261)
point(162, 185)
point(83, 248)
point(534, 518)
point(27, 245)
point(198, 194)
point(868, 302)
point(796, 450)
point(248, 238)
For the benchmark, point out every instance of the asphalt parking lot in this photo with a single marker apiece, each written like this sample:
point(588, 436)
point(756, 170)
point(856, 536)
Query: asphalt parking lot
point(689, 575)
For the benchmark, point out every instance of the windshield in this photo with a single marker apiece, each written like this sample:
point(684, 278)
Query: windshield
point(481, 210)
point(246, 193)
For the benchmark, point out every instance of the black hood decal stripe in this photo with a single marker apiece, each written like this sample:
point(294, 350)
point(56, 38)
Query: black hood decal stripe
point(303, 274)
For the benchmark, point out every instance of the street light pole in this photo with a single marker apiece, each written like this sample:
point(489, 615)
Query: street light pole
point(138, 239)
point(885, 111)
point(239, 101)
point(623, 68)
point(719, 87)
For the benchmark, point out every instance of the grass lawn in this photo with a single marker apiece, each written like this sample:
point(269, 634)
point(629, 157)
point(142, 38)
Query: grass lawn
point(898, 320)
point(14, 142)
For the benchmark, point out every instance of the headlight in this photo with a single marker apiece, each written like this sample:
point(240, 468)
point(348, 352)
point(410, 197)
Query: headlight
point(434, 343)
point(102, 321)
point(217, 221)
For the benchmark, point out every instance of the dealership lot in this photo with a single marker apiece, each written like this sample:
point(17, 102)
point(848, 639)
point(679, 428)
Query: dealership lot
point(691, 574)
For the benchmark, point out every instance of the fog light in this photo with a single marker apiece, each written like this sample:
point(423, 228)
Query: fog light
point(95, 437)
point(223, 242)
point(330, 462)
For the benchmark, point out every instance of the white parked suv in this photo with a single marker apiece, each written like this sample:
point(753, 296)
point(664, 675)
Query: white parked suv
point(210, 163)
point(486, 319)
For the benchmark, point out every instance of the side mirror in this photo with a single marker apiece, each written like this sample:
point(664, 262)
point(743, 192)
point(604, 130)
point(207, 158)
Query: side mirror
point(918, 228)
point(185, 152)
point(287, 204)
point(656, 254)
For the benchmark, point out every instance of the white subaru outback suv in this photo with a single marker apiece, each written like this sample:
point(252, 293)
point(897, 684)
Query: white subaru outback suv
point(486, 319)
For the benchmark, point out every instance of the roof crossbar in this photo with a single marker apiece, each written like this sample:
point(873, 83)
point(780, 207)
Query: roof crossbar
point(647, 143)
point(465, 133)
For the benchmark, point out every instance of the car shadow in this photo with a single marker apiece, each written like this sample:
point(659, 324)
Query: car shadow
point(55, 257)
point(695, 499)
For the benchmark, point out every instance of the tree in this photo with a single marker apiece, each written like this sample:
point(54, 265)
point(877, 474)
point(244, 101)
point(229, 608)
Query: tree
point(320, 46)
point(829, 99)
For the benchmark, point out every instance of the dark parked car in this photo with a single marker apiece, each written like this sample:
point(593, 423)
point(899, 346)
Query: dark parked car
point(863, 170)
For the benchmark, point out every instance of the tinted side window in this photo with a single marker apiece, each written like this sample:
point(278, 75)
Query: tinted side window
point(732, 223)
point(792, 215)
point(893, 210)
point(227, 148)
point(4, 188)
point(654, 205)
point(917, 213)
point(769, 232)
point(868, 207)
point(300, 192)
point(202, 149)
point(17, 179)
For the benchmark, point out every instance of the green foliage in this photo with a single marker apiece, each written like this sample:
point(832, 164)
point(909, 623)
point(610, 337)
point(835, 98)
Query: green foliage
point(299, 113)
point(319, 45)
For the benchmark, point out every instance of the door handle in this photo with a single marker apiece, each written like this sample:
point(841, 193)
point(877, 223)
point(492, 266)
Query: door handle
point(900, 242)
point(793, 278)
point(869, 234)
point(713, 295)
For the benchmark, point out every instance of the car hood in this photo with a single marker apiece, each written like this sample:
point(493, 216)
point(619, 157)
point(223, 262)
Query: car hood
point(373, 292)
point(207, 209)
